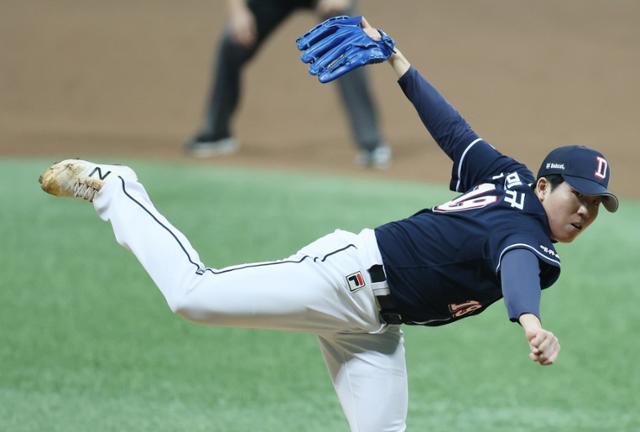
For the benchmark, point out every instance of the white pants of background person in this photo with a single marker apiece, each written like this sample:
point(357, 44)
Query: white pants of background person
point(308, 292)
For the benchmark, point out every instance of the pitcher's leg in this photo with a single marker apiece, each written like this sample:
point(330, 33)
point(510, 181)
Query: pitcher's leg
point(293, 294)
point(369, 375)
point(306, 292)
point(164, 252)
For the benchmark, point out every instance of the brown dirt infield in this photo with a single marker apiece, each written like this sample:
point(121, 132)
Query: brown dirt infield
point(91, 78)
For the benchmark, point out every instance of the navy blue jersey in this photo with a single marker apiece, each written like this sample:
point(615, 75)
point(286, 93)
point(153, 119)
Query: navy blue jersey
point(443, 263)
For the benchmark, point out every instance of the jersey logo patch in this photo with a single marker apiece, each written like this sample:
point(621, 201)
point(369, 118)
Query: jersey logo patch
point(549, 251)
point(462, 309)
point(355, 281)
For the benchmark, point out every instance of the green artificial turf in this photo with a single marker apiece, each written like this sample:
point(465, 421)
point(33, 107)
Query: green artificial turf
point(88, 344)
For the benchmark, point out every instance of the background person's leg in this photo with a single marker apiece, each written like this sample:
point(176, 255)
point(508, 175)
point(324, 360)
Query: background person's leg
point(362, 112)
point(215, 136)
point(363, 117)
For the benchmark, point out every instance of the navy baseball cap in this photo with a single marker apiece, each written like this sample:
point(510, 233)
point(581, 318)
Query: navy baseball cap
point(586, 170)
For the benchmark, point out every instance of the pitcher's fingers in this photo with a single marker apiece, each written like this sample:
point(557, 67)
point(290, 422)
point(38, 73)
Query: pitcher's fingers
point(545, 343)
point(554, 351)
point(534, 349)
point(364, 23)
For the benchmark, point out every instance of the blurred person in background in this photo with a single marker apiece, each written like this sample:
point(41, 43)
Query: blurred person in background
point(250, 22)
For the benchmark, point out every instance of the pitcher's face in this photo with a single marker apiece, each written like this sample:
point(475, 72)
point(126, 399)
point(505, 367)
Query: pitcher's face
point(568, 211)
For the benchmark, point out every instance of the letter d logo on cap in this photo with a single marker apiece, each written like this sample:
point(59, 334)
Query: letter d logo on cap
point(601, 170)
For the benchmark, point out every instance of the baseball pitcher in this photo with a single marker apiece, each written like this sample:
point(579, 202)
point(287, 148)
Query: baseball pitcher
point(355, 291)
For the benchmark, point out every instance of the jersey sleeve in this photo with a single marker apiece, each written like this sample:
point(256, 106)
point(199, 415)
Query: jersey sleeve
point(539, 245)
point(474, 160)
point(520, 280)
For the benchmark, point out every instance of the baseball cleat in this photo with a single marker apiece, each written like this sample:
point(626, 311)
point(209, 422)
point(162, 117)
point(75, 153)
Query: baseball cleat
point(379, 157)
point(80, 179)
point(203, 147)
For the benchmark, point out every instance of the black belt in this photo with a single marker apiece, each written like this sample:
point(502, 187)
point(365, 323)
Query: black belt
point(388, 310)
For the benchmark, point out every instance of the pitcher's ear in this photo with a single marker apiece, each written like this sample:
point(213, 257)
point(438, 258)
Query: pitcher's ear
point(543, 187)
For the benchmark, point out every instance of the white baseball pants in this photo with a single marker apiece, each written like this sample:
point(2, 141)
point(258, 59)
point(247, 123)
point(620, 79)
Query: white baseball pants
point(309, 291)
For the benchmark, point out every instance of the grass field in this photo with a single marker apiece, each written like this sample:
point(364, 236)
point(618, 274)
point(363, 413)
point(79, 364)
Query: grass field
point(88, 344)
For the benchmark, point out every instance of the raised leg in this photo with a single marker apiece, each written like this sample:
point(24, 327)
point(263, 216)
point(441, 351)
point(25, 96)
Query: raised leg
point(305, 292)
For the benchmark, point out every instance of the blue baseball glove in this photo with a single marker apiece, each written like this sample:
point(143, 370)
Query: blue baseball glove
point(339, 45)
